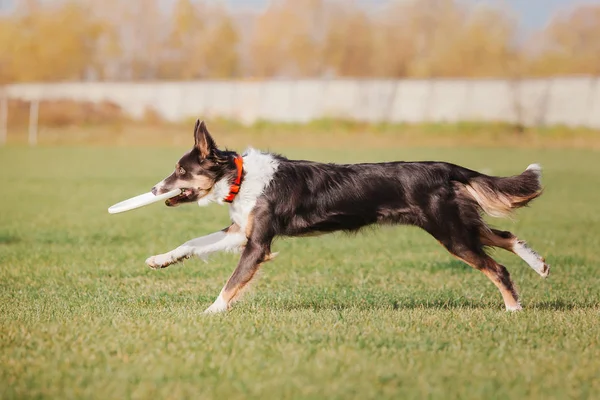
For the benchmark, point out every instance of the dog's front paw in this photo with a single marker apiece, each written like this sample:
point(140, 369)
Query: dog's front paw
point(159, 261)
point(544, 270)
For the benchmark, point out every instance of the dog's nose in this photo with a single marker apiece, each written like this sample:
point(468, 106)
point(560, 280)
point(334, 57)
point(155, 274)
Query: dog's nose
point(154, 190)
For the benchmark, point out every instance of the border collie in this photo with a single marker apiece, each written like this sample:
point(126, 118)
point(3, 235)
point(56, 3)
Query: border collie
point(272, 196)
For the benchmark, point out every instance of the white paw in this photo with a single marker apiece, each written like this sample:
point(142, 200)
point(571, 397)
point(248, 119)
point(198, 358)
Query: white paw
point(514, 308)
point(219, 306)
point(215, 309)
point(159, 261)
point(544, 270)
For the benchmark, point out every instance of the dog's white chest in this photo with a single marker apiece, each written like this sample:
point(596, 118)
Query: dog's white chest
point(239, 213)
point(259, 170)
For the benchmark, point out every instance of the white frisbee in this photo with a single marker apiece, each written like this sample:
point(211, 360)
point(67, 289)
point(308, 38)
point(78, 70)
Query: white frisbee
point(141, 201)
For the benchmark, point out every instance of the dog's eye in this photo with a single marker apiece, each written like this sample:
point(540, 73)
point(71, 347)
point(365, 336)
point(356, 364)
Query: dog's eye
point(181, 171)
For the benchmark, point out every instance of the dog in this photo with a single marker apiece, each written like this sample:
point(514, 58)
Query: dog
point(270, 196)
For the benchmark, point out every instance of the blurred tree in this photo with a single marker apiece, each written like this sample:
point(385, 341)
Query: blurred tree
point(288, 39)
point(142, 35)
point(108, 62)
point(8, 32)
point(48, 43)
point(349, 48)
point(447, 38)
point(570, 44)
point(395, 47)
point(220, 46)
point(433, 25)
point(484, 45)
point(197, 39)
point(202, 43)
point(184, 58)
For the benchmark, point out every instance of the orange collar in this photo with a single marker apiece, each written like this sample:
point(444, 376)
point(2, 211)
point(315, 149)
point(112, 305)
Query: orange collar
point(234, 189)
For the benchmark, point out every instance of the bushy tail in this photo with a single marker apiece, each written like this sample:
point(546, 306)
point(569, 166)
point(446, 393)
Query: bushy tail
point(498, 196)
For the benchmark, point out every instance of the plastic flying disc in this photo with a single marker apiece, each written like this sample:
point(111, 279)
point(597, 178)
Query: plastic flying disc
point(141, 201)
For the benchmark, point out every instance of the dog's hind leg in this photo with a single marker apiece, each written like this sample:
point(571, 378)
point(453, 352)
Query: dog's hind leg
point(459, 232)
point(497, 273)
point(230, 239)
point(507, 241)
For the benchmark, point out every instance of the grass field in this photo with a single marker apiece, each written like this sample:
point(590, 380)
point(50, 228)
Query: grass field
point(385, 314)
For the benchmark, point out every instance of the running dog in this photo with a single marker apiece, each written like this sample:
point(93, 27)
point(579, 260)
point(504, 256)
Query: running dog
point(270, 195)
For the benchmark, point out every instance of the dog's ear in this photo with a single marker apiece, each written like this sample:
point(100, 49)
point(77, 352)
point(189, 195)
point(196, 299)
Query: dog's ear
point(203, 141)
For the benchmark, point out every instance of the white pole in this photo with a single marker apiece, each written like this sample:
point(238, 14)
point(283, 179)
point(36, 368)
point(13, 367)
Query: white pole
point(3, 119)
point(34, 110)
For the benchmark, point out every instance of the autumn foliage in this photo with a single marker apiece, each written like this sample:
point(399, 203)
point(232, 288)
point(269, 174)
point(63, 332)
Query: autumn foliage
point(184, 39)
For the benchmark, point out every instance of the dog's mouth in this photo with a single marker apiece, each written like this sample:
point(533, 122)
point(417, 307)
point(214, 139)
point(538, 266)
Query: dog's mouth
point(187, 195)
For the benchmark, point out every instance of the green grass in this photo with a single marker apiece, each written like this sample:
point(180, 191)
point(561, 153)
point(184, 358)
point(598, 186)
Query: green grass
point(384, 314)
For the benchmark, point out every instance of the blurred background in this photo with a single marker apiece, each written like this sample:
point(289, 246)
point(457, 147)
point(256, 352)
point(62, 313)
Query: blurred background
point(341, 65)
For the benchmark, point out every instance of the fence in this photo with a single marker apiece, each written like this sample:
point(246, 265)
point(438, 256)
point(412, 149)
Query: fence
point(571, 101)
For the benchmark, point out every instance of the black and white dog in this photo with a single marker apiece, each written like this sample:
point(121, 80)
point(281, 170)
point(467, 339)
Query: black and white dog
point(271, 196)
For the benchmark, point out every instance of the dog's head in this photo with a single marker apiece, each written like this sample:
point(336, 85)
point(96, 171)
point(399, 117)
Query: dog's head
point(197, 171)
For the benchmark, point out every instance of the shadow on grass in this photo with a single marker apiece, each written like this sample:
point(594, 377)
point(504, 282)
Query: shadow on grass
point(7, 238)
point(434, 304)
point(402, 304)
point(450, 266)
point(562, 305)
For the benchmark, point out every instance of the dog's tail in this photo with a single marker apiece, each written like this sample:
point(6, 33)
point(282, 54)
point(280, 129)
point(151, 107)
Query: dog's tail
point(499, 196)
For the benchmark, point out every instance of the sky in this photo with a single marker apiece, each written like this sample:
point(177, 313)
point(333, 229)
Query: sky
point(534, 14)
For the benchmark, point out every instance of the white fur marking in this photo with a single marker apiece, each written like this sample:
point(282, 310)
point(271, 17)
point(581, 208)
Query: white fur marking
point(534, 167)
point(200, 247)
point(537, 170)
point(219, 306)
point(532, 258)
point(514, 308)
point(219, 191)
point(259, 169)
